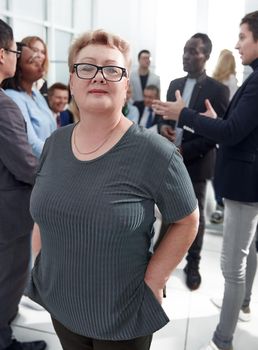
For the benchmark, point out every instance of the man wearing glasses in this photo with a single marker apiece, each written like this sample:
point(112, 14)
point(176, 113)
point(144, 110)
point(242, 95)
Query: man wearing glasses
point(17, 170)
point(17, 52)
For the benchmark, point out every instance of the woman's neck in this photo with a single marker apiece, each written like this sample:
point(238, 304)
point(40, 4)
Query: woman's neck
point(98, 125)
point(92, 139)
point(27, 87)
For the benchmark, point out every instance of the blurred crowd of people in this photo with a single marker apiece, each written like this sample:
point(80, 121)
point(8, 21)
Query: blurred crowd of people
point(85, 166)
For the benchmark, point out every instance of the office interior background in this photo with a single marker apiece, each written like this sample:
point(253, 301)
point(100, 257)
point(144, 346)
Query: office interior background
point(162, 26)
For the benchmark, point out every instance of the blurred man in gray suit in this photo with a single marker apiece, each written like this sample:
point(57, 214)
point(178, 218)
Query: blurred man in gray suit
point(143, 77)
point(17, 171)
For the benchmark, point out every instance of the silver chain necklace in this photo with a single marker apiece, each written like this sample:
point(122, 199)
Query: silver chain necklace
point(99, 146)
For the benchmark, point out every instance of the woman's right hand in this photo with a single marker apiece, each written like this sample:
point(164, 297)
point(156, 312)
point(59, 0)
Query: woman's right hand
point(156, 290)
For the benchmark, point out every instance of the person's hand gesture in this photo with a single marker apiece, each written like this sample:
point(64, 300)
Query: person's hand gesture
point(169, 110)
point(209, 110)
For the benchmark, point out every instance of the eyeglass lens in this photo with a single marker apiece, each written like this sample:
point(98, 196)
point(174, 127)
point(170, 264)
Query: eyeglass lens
point(88, 71)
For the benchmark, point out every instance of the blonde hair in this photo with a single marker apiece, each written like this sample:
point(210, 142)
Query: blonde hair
point(98, 37)
point(75, 110)
point(226, 66)
point(30, 40)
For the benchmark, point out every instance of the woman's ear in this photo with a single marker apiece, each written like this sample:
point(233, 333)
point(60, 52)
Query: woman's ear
point(1, 55)
point(127, 85)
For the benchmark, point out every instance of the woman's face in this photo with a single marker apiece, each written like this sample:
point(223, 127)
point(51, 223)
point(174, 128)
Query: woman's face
point(39, 48)
point(98, 94)
point(30, 65)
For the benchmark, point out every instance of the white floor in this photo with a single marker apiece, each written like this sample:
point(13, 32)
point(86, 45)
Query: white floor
point(193, 316)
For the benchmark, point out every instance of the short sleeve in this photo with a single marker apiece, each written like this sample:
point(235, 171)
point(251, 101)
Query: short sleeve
point(175, 197)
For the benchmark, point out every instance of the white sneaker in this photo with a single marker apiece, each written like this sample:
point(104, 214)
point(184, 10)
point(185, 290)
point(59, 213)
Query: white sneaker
point(213, 346)
point(26, 301)
point(210, 346)
point(244, 313)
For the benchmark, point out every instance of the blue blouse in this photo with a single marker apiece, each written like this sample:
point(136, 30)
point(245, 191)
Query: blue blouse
point(38, 117)
point(133, 113)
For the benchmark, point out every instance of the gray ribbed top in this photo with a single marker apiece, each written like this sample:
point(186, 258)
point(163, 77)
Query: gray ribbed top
point(96, 220)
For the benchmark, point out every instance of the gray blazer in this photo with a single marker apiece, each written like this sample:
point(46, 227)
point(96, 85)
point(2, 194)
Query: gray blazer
point(135, 81)
point(17, 172)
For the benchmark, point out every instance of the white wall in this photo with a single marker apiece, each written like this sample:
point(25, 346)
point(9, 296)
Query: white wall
point(162, 26)
point(219, 19)
point(134, 20)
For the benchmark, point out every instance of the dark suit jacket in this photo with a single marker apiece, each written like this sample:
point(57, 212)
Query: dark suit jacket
point(199, 152)
point(66, 117)
point(236, 176)
point(140, 105)
point(17, 172)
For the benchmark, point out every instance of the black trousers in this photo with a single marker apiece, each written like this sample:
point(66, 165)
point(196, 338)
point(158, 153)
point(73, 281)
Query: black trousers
point(14, 268)
point(73, 341)
point(194, 253)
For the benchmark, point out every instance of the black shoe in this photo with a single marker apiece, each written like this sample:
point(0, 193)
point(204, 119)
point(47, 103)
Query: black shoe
point(33, 345)
point(193, 277)
point(217, 217)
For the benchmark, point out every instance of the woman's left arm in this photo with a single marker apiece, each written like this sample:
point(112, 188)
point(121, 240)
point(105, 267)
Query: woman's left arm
point(170, 252)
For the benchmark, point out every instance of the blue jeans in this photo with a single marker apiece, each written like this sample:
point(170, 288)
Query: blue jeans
point(238, 264)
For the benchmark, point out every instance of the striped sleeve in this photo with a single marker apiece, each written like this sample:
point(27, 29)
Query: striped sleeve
point(176, 198)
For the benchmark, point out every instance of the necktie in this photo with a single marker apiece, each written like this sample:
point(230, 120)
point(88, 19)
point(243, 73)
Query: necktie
point(58, 120)
point(150, 118)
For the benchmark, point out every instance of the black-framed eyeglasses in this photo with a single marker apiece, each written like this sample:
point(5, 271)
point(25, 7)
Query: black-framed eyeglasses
point(17, 52)
point(89, 71)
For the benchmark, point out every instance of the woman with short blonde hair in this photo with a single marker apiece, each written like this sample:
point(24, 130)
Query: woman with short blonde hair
point(94, 201)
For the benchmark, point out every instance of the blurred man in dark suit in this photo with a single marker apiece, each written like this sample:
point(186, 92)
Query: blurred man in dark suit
point(198, 151)
point(17, 171)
